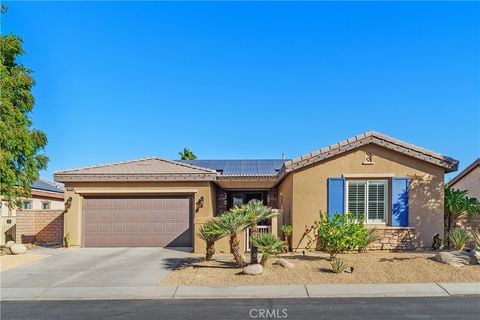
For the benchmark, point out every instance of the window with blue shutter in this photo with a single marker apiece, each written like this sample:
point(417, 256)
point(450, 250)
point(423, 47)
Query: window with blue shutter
point(336, 195)
point(400, 202)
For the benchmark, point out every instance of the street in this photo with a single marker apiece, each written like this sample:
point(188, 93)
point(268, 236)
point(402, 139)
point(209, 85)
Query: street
point(347, 308)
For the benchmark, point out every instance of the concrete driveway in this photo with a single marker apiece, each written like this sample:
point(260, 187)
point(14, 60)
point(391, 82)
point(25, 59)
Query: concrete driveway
point(95, 267)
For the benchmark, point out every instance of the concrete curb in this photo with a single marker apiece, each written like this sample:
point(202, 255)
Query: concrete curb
point(243, 292)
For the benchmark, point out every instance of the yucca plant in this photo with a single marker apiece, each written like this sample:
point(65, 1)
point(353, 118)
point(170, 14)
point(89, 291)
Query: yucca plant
point(268, 244)
point(368, 237)
point(459, 237)
point(232, 223)
point(210, 232)
point(338, 265)
point(255, 211)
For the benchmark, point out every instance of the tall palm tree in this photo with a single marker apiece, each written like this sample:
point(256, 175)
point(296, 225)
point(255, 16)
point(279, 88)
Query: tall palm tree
point(456, 204)
point(255, 212)
point(187, 154)
point(211, 233)
point(232, 223)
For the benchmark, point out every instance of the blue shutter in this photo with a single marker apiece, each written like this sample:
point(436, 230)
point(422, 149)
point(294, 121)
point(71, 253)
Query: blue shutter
point(336, 198)
point(400, 202)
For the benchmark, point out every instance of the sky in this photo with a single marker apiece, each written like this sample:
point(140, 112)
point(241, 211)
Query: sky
point(119, 81)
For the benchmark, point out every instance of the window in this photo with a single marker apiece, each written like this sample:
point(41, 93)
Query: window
point(46, 205)
point(368, 198)
point(27, 204)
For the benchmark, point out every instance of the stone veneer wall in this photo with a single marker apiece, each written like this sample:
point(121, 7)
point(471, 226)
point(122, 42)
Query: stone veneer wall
point(272, 198)
point(221, 200)
point(395, 239)
point(39, 225)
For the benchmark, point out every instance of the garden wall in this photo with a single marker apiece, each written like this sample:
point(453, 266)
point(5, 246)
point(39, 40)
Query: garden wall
point(393, 238)
point(39, 225)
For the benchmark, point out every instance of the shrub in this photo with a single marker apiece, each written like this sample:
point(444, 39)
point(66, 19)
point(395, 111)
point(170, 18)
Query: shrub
point(366, 238)
point(459, 237)
point(268, 244)
point(210, 232)
point(67, 240)
point(339, 233)
point(286, 230)
point(338, 265)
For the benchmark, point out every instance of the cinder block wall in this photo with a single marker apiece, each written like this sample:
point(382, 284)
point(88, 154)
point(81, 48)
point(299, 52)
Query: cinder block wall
point(39, 225)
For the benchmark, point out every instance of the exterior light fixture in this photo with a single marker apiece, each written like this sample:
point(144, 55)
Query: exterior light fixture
point(68, 204)
point(200, 203)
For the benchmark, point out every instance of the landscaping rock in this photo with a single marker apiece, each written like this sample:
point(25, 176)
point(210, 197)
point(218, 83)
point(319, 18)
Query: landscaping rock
point(253, 269)
point(285, 263)
point(18, 249)
point(9, 244)
point(456, 258)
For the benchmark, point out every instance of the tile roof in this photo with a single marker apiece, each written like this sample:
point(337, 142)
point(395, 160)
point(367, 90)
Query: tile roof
point(239, 168)
point(46, 185)
point(464, 172)
point(150, 169)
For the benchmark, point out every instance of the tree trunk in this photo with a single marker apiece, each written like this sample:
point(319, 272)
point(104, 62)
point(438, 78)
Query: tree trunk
point(288, 244)
point(210, 251)
point(235, 248)
point(253, 249)
point(448, 227)
point(263, 261)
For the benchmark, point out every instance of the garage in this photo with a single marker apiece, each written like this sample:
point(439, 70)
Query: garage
point(137, 221)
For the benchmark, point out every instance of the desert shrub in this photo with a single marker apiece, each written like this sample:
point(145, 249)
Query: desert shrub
point(286, 230)
point(338, 265)
point(67, 240)
point(366, 238)
point(339, 233)
point(459, 237)
point(268, 244)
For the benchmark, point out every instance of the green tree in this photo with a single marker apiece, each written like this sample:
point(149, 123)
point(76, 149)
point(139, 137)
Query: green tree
point(269, 245)
point(457, 203)
point(255, 212)
point(187, 154)
point(211, 233)
point(21, 146)
point(232, 223)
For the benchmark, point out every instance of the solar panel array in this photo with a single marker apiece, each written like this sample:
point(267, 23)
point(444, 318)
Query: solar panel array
point(263, 167)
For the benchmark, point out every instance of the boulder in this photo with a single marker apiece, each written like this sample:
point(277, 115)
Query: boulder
point(18, 249)
point(9, 244)
point(253, 269)
point(285, 263)
point(456, 258)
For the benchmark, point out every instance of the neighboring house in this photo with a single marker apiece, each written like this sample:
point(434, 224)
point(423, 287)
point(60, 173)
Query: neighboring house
point(46, 196)
point(469, 180)
point(397, 186)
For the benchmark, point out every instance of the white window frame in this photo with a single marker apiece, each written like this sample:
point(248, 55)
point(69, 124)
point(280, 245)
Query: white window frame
point(29, 201)
point(366, 219)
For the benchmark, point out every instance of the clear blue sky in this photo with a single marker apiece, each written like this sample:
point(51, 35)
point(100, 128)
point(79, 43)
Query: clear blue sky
point(120, 81)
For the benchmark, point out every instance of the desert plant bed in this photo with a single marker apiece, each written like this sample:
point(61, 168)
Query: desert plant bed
point(315, 268)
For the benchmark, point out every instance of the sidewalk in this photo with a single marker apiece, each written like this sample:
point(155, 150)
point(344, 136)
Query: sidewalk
point(244, 292)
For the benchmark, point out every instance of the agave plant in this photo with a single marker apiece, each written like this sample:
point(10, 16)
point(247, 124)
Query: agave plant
point(338, 265)
point(255, 211)
point(268, 244)
point(232, 223)
point(210, 232)
point(367, 238)
point(459, 237)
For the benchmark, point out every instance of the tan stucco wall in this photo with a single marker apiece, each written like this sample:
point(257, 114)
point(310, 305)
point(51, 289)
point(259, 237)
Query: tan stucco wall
point(470, 182)
point(285, 195)
point(73, 218)
point(309, 192)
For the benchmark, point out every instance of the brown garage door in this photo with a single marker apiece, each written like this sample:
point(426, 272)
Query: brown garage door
point(137, 222)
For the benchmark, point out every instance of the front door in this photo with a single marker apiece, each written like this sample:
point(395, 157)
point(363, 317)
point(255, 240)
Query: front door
point(238, 199)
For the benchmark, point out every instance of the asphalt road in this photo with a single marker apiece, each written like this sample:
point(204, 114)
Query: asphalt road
point(347, 308)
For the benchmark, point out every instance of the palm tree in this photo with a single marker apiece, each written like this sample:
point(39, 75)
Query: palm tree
point(211, 233)
point(269, 245)
point(232, 223)
point(456, 204)
point(255, 212)
point(287, 231)
point(187, 154)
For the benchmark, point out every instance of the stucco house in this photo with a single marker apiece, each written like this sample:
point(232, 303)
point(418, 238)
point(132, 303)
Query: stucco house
point(469, 180)
point(396, 186)
point(46, 198)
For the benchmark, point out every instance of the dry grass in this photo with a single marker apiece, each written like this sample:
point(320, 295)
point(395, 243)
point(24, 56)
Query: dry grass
point(13, 261)
point(371, 267)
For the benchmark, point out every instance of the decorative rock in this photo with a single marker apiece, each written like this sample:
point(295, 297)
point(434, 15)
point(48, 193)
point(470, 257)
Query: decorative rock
point(285, 263)
point(18, 249)
point(253, 269)
point(9, 244)
point(456, 258)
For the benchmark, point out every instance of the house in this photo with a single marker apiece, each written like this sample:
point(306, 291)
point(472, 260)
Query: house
point(396, 186)
point(469, 180)
point(46, 198)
